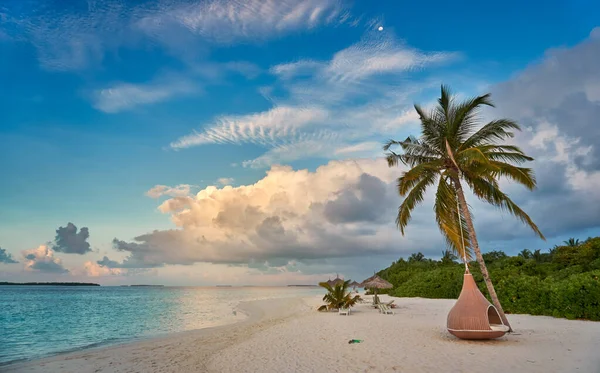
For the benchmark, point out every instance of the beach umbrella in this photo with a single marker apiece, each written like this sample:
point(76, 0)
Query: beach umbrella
point(354, 284)
point(336, 281)
point(375, 282)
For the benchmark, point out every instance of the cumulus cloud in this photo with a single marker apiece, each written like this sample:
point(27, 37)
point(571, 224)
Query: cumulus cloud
point(180, 190)
point(69, 241)
point(349, 208)
point(6, 258)
point(336, 211)
point(555, 101)
point(92, 269)
point(138, 258)
point(42, 259)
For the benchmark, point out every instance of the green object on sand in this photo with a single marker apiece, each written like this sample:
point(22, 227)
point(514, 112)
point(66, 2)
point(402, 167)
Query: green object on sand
point(354, 341)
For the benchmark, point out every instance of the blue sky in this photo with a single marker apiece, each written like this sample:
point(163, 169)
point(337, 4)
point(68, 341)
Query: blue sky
point(105, 102)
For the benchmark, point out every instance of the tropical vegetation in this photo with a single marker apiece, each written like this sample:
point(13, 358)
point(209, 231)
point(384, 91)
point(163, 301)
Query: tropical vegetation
point(338, 296)
point(455, 149)
point(563, 281)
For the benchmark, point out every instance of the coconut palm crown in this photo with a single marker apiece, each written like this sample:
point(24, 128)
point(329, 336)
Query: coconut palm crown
point(455, 148)
point(338, 296)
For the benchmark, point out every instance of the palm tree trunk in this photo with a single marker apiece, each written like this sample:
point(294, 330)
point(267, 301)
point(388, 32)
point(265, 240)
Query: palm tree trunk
point(475, 245)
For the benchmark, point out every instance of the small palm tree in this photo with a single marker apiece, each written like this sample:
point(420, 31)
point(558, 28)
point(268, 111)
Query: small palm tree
point(448, 257)
point(416, 257)
point(338, 296)
point(572, 242)
point(454, 149)
point(525, 254)
point(538, 256)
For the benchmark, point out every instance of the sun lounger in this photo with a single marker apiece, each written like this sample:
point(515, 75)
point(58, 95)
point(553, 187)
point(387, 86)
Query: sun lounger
point(344, 311)
point(384, 309)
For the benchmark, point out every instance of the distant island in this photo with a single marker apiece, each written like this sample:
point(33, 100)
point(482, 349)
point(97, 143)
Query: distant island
point(313, 286)
point(50, 283)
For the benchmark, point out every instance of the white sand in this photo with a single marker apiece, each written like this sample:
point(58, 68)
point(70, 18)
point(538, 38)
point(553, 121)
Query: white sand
point(288, 335)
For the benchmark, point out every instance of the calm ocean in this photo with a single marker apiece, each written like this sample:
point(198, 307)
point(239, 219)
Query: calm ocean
point(38, 321)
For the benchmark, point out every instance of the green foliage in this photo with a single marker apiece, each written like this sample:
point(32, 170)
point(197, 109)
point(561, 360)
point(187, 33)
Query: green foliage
point(562, 283)
point(338, 296)
point(572, 242)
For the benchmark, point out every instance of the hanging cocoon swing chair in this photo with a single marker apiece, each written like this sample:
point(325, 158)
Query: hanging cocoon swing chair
point(472, 316)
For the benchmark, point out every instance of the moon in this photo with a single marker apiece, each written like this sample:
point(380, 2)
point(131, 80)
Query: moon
point(380, 28)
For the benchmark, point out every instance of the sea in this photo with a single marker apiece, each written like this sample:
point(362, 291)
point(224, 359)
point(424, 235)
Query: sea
point(40, 321)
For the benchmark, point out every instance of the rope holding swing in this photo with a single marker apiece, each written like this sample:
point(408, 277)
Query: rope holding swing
point(461, 236)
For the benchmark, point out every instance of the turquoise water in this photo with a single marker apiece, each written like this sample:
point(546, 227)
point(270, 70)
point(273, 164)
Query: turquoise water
point(38, 321)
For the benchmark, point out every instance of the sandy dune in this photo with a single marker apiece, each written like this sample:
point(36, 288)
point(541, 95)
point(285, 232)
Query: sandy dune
point(287, 335)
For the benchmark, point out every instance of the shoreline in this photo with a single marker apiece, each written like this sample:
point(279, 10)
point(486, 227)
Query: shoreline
point(259, 313)
point(98, 346)
point(288, 334)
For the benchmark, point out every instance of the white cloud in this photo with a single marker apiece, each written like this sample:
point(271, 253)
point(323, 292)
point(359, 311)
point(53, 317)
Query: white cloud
point(180, 190)
point(330, 107)
point(336, 211)
point(124, 96)
point(66, 40)
point(265, 128)
point(93, 269)
point(71, 38)
point(371, 56)
point(251, 20)
point(42, 259)
point(225, 181)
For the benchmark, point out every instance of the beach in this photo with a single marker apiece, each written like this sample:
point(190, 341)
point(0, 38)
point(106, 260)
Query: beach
point(289, 335)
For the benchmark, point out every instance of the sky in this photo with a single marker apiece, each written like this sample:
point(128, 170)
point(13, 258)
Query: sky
point(240, 142)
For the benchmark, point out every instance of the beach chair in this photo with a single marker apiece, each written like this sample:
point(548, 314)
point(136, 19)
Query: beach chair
point(384, 309)
point(344, 311)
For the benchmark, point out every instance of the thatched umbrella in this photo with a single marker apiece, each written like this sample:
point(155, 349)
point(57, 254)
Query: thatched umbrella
point(336, 281)
point(354, 284)
point(375, 282)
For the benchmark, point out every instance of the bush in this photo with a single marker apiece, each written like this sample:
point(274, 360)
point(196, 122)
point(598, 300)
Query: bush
point(437, 283)
point(564, 283)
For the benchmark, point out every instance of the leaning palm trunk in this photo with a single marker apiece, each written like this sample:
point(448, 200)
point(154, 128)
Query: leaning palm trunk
point(475, 245)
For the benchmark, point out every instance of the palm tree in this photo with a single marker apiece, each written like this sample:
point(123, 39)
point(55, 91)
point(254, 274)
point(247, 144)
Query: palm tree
point(448, 257)
point(454, 148)
point(538, 256)
point(525, 254)
point(416, 257)
point(572, 242)
point(338, 296)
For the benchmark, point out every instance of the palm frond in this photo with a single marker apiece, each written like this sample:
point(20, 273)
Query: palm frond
point(467, 157)
point(447, 217)
point(411, 177)
point(414, 197)
point(415, 152)
point(490, 193)
point(492, 132)
point(521, 175)
point(466, 115)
